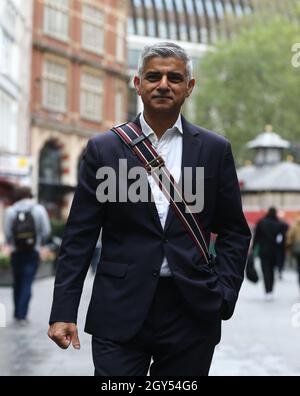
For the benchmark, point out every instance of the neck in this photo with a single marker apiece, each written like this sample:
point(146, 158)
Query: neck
point(160, 123)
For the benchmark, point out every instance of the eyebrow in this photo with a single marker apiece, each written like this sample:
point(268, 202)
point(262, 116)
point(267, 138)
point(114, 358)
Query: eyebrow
point(169, 74)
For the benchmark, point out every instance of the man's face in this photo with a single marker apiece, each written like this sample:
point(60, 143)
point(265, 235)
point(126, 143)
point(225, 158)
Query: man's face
point(164, 84)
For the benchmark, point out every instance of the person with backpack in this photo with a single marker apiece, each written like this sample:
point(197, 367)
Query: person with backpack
point(26, 226)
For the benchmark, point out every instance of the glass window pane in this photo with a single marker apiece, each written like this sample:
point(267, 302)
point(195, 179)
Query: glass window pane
point(91, 97)
point(56, 19)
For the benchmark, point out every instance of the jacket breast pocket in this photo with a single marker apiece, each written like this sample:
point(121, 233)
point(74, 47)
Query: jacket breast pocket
point(115, 270)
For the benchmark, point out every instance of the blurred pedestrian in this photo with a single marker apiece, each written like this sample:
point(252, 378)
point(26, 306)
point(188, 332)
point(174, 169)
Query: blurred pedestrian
point(267, 239)
point(26, 226)
point(293, 243)
point(281, 243)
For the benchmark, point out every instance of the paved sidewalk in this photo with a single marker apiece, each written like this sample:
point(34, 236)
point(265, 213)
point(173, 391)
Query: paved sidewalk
point(28, 350)
point(260, 340)
point(263, 338)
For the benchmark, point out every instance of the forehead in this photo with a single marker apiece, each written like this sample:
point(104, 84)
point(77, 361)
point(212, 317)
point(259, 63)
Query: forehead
point(165, 65)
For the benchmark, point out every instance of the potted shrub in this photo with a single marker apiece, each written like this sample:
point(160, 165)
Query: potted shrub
point(5, 270)
point(46, 267)
point(58, 227)
point(4, 261)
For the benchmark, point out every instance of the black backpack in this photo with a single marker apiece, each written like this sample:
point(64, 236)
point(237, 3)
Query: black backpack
point(24, 231)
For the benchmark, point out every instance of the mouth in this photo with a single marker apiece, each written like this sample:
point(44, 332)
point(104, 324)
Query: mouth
point(162, 97)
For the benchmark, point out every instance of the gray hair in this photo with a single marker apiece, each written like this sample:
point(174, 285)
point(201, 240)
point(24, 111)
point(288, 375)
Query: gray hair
point(165, 50)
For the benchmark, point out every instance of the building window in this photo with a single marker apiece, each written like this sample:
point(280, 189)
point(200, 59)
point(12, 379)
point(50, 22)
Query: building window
point(151, 28)
point(56, 19)
point(55, 86)
point(9, 34)
point(91, 97)
point(119, 107)
point(8, 117)
point(6, 53)
point(120, 47)
point(50, 169)
point(173, 31)
point(9, 18)
point(92, 29)
point(5, 105)
point(131, 26)
point(51, 188)
point(133, 58)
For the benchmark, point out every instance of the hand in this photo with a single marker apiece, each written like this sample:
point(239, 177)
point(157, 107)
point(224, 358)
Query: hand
point(46, 254)
point(6, 250)
point(63, 334)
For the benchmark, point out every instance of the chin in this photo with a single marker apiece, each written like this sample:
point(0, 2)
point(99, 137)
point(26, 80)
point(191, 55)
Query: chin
point(164, 108)
point(163, 105)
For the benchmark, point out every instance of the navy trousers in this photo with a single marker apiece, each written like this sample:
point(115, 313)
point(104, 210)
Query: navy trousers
point(172, 342)
point(24, 265)
point(268, 265)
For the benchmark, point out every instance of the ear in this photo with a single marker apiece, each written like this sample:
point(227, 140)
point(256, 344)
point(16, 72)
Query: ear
point(137, 84)
point(191, 86)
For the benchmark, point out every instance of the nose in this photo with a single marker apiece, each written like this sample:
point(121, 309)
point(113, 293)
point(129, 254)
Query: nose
point(163, 84)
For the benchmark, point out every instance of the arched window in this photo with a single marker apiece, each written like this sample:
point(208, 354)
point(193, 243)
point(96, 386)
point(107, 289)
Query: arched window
point(50, 179)
point(50, 169)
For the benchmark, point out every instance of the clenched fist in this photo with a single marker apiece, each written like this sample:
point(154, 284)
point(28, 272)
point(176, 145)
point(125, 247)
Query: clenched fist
point(63, 334)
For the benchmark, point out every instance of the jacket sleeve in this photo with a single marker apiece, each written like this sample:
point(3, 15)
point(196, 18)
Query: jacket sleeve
point(44, 223)
point(233, 234)
point(81, 234)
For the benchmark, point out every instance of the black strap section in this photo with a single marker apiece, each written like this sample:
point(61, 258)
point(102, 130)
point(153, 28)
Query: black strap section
point(139, 143)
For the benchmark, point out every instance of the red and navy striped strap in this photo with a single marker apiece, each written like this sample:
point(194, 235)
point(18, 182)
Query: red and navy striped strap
point(139, 143)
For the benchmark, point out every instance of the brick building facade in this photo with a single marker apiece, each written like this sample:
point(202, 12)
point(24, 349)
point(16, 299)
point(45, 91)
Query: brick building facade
point(78, 87)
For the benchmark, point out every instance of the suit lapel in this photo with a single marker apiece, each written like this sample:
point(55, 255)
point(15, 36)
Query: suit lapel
point(190, 157)
point(132, 161)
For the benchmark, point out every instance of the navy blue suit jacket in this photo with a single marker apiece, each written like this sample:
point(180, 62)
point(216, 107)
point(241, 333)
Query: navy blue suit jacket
point(134, 242)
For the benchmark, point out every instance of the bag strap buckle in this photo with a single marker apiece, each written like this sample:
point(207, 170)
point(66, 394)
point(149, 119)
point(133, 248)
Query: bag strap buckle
point(157, 162)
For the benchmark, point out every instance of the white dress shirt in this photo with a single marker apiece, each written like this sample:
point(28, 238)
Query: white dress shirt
point(169, 147)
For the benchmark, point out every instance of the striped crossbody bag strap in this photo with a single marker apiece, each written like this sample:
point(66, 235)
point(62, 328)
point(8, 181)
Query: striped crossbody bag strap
point(141, 146)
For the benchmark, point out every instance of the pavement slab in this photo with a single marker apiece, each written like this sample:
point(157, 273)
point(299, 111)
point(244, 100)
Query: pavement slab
point(262, 339)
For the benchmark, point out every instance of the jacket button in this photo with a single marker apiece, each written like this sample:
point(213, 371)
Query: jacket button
point(165, 240)
point(155, 273)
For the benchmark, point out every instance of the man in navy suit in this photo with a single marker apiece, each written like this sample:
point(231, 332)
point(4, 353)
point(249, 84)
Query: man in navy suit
point(155, 302)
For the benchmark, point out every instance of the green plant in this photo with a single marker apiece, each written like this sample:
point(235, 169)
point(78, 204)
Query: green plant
point(4, 261)
point(58, 227)
point(250, 81)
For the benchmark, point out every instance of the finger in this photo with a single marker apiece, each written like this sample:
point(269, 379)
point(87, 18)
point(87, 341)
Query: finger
point(75, 340)
point(62, 340)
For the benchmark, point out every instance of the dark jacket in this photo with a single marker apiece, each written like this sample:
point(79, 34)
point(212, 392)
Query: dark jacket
point(134, 243)
point(267, 231)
